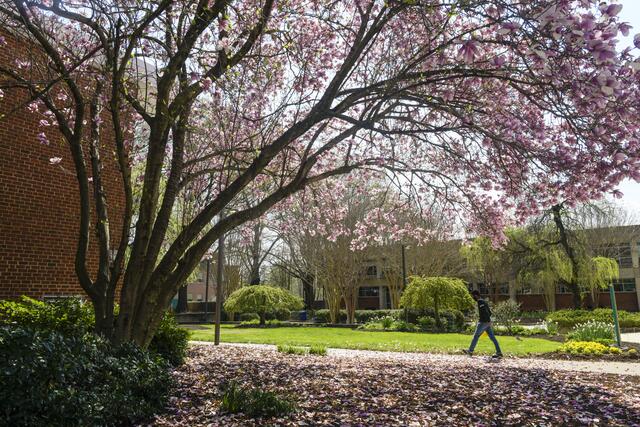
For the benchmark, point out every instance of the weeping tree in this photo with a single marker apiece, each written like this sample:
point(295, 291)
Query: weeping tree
point(487, 262)
point(597, 274)
point(261, 299)
point(437, 293)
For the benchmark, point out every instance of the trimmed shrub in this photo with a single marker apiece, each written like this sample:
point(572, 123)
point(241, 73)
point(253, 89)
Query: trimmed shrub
point(570, 318)
point(170, 340)
point(362, 316)
point(245, 317)
point(592, 330)
point(322, 316)
point(254, 402)
point(49, 378)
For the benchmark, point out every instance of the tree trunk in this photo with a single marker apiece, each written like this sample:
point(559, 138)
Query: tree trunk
point(182, 300)
point(308, 291)
point(262, 319)
point(564, 242)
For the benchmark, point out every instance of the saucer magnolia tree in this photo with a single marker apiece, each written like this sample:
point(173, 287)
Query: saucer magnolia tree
point(493, 107)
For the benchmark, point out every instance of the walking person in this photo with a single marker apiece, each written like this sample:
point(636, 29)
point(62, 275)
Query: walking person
point(484, 324)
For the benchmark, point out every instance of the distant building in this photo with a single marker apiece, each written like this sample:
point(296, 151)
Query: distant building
point(619, 243)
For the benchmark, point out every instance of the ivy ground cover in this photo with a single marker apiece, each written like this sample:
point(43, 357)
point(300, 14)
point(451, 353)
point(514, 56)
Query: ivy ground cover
point(368, 340)
point(413, 391)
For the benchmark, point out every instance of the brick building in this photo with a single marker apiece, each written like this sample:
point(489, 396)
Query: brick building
point(39, 202)
point(619, 243)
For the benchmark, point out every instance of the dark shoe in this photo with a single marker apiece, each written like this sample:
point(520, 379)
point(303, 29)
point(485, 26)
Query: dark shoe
point(467, 352)
point(497, 356)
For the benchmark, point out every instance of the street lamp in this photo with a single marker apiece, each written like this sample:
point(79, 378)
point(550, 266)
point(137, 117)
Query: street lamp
point(206, 287)
point(219, 278)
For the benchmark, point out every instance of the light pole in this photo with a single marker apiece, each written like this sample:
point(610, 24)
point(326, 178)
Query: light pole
point(404, 280)
point(206, 289)
point(219, 278)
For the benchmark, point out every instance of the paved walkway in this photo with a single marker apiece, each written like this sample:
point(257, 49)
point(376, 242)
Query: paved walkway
point(617, 368)
point(631, 337)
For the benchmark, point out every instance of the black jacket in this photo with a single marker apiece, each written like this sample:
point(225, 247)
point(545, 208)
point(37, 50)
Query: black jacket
point(484, 311)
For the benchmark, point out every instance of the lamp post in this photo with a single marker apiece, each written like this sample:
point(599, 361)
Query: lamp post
point(614, 312)
point(404, 280)
point(206, 289)
point(219, 278)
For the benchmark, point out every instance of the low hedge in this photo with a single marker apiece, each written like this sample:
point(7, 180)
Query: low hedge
point(454, 319)
point(570, 318)
point(72, 316)
point(362, 316)
point(52, 378)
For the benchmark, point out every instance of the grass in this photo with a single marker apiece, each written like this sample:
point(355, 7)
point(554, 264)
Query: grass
point(367, 340)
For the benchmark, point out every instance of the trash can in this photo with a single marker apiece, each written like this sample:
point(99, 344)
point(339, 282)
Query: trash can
point(303, 316)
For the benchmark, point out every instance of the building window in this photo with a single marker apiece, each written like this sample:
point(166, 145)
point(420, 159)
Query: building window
point(563, 289)
point(503, 289)
point(199, 297)
point(369, 291)
point(624, 285)
point(189, 297)
point(372, 271)
point(482, 288)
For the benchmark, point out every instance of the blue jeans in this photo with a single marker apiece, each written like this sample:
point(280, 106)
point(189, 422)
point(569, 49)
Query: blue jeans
point(480, 328)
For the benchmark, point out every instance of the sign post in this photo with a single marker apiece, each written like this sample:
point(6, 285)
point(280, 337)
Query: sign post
point(614, 309)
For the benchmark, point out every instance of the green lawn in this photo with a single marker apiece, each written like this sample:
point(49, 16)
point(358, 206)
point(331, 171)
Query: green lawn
point(367, 340)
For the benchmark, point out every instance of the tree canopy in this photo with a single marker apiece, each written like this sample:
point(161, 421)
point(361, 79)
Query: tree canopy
point(493, 110)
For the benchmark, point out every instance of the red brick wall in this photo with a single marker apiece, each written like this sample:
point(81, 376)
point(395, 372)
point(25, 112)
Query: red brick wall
point(39, 203)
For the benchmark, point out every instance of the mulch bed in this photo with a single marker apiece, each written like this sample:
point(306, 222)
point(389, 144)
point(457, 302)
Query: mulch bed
point(350, 391)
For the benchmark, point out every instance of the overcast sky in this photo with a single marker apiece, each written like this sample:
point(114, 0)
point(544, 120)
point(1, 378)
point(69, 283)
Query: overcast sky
point(631, 14)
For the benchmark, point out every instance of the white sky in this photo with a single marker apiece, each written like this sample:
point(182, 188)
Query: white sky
point(631, 14)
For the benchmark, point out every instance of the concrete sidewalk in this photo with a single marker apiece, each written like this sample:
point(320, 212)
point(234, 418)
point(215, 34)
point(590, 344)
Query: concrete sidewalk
point(597, 367)
point(631, 337)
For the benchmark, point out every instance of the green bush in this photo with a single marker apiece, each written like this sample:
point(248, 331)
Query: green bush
point(570, 318)
point(49, 378)
point(73, 316)
point(254, 402)
point(282, 315)
point(551, 327)
point(533, 315)
point(318, 350)
point(292, 349)
point(402, 326)
point(322, 316)
point(362, 316)
point(170, 340)
point(452, 320)
point(427, 324)
point(592, 330)
point(506, 313)
point(245, 317)
point(68, 315)
point(587, 348)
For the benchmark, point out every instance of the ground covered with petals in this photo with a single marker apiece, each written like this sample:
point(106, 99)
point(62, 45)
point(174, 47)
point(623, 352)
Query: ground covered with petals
point(345, 391)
